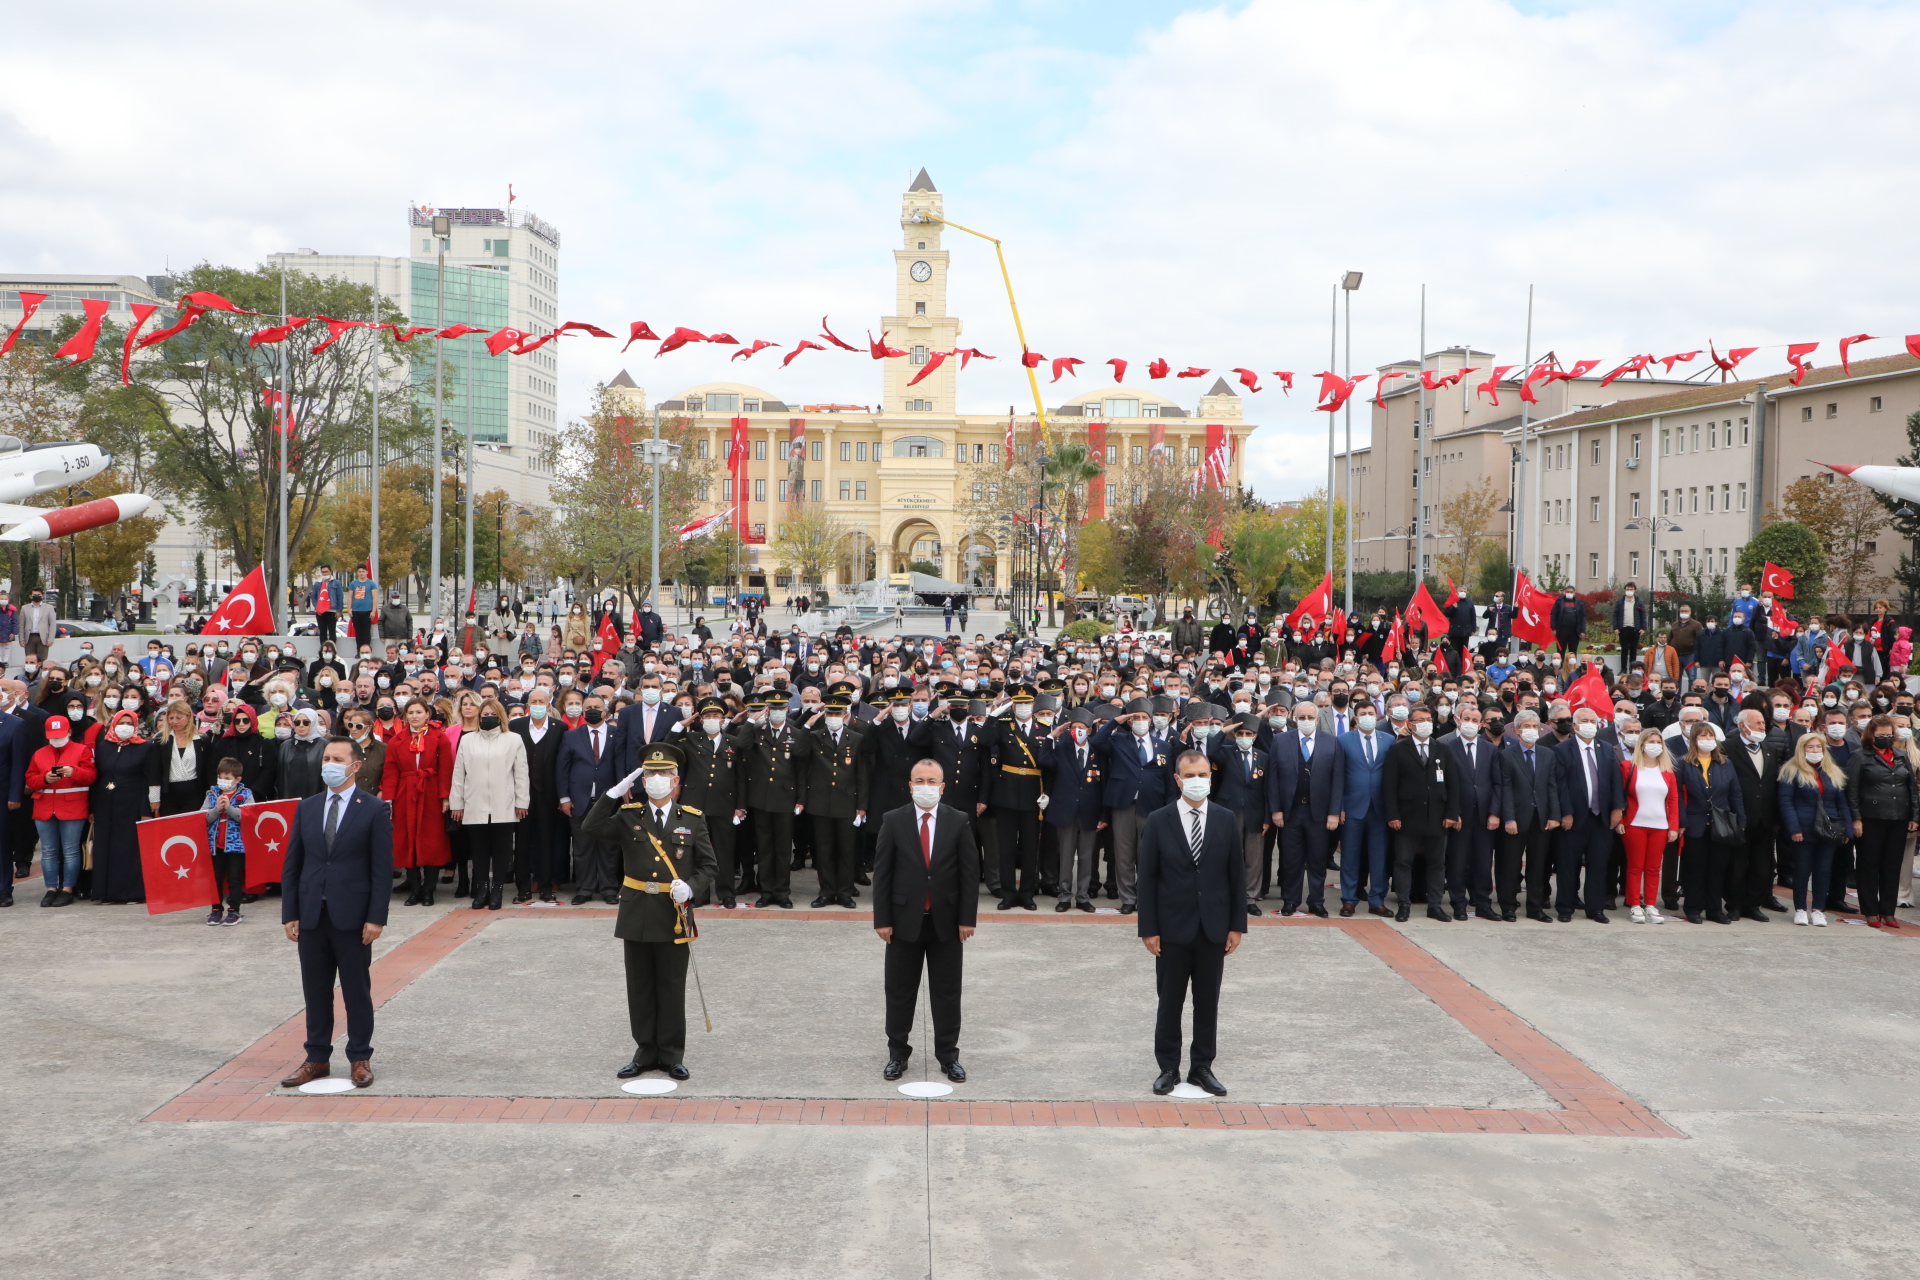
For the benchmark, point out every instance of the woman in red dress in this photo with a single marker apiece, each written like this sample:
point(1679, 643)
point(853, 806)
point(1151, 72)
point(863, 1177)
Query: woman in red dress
point(418, 778)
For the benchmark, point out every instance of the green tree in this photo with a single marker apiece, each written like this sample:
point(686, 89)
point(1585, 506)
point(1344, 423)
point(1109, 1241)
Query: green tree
point(1069, 470)
point(1848, 519)
point(1467, 520)
point(1260, 554)
point(1795, 548)
point(812, 541)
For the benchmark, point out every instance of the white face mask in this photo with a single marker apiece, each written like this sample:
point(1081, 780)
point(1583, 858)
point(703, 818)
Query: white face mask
point(1398, 713)
point(123, 731)
point(1366, 723)
point(1140, 728)
point(926, 797)
point(834, 722)
point(1815, 757)
point(1529, 736)
point(1587, 730)
point(1304, 726)
point(659, 786)
point(228, 784)
point(1469, 731)
point(1424, 729)
point(1161, 722)
point(1836, 731)
point(278, 699)
point(650, 696)
point(777, 716)
point(58, 743)
point(1022, 711)
point(1196, 788)
point(537, 710)
point(712, 726)
point(900, 714)
point(1654, 750)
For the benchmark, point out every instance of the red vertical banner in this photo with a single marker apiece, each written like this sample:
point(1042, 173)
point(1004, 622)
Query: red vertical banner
point(1097, 487)
point(797, 459)
point(1156, 441)
point(1214, 467)
point(738, 451)
point(1009, 458)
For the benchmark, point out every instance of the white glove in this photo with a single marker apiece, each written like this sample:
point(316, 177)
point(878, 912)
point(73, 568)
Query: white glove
point(682, 891)
point(620, 789)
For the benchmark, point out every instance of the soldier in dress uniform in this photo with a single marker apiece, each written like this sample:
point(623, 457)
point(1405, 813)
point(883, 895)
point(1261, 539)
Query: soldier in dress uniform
point(777, 755)
point(667, 859)
point(1017, 754)
point(899, 742)
point(836, 796)
point(710, 787)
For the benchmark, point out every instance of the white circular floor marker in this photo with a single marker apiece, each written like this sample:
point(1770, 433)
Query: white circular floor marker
point(926, 1089)
point(646, 1085)
point(1184, 1092)
point(328, 1084)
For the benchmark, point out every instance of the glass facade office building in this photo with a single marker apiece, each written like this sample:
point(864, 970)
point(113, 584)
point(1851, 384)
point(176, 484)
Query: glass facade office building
point(475, 296)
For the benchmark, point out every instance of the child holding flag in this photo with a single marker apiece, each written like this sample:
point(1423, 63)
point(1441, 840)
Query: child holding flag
point(225, 847)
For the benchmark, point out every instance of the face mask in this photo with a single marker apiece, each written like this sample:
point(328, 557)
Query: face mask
point(1469, 731)
point(1424, 729)
point(1305, 726)
point(1780, 714)
point(1654, 749)
point(538, 710)
point(1837, 732)
point(1366, 723)
point(1161, 722)
point(595, 715)
point(1903, 733)
point(1883, 741)
point(650, 696)
point(1529, 736)
point(110, 703)
point(489, 722)
point(1140, 728)
point(92, 681)
point(1587, 730)
point(658, 786)
point(383, 682)
point(1301, 691)
point(926, 797)
point(1022, 711)
point(834, 723)
point(278, 699)
point(1398, 714)
point(1550, 687)
point(402, 699)
point(333, 773)
point(57, 743)
point(1413, 695)
point(228, 784)
point(1196, 788)
point(1815, 757)
point(564, 679)
point(711, 726)
point(125, 731)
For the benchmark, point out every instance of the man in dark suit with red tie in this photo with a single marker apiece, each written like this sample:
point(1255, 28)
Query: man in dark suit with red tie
point(1193, 913)
point(926, 873)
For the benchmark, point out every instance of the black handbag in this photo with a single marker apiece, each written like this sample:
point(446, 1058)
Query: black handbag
point(1826, 828)
point(1725, 826)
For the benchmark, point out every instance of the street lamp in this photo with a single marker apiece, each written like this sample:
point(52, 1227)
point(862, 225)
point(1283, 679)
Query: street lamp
point(1349, 283)
point(1654, 525)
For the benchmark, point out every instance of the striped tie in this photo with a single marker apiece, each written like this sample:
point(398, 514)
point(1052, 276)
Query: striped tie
point(1193, 840)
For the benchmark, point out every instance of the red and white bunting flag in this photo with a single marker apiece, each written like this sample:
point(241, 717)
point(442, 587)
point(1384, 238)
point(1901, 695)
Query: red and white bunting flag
point(705, 525)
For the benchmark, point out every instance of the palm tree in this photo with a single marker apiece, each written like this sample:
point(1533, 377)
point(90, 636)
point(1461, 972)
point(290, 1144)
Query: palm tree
point(1071, 467)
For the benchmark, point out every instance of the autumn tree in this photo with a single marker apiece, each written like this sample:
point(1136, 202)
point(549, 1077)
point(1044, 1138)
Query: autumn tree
point(111, 556)
point(1848, 519)
point(1469, 520)
point(812, 541)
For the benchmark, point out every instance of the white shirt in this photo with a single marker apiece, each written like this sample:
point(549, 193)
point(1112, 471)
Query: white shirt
point(933, 824)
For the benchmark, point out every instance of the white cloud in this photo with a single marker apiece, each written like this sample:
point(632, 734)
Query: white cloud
point(1192, 191)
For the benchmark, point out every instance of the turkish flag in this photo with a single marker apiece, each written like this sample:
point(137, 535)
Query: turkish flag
point(1777, 580)
point(609, 643)
point(1423, 608)
point(79, 348)
point(265, 829)
point(1396, 640)
point(1340, 626)
point(174, 862)
point(1533, 611)
point(1315, 608)
point(1778, 619)
point(1453, 594)
point(246, 610)
point(29, 303)
point(501, 339)
point(1590, 690)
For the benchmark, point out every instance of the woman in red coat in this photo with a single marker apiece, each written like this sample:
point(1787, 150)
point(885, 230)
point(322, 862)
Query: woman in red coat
point(417, 779)
point(1650, 824)
point(59, 778)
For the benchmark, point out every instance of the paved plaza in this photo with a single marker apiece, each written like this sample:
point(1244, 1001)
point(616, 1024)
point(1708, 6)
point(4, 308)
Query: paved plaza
point(1464, 1099)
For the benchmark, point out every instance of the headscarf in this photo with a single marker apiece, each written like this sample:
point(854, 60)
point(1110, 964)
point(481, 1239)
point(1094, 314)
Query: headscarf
point(125, 717)
point(242, 722)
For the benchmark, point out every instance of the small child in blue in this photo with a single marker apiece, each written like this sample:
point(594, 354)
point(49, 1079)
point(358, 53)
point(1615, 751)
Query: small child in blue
point(225, 847)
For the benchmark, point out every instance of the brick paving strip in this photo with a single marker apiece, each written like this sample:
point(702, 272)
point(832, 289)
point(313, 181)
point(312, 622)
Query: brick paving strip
point(1590, 1106)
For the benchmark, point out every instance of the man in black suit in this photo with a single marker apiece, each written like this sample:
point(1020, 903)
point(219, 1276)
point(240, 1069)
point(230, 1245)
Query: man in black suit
point(1526, 805)
point(336, 885)
point(582, 772)
point(1420, 792)
point(644, 722)
point(926, 870)
point(1193, 913)
point(1470, 845)
point(1756, 762)
point(956, 746)
point(1587, 781)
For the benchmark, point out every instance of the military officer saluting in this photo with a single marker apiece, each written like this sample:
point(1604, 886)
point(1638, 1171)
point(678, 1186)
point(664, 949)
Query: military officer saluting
point(777, 754)
point(710, 789)
point(667, 859)
point(836, 797)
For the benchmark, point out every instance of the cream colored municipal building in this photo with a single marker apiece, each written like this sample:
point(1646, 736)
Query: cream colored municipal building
point(902, 474)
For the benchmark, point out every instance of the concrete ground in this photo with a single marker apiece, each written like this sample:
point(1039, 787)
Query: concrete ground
point(1784, 1057)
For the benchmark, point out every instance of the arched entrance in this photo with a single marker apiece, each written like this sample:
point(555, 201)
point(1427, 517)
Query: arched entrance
point(979, 562)
point(915, 540)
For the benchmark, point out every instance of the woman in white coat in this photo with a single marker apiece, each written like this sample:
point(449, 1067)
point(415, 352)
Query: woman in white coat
point(488, 800)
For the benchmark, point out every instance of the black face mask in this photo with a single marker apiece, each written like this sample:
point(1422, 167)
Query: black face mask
point(1494, 725)
point(1340, 701)
point(1564, 725)
point(489, 722)
point(1883, 741)
point(385, 713)
point(594, 715)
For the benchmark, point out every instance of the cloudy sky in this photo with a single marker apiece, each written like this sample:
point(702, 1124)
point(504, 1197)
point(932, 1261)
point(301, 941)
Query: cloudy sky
point(1169, 181)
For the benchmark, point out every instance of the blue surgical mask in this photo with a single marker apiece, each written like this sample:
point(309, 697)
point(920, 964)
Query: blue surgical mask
point(333, 773)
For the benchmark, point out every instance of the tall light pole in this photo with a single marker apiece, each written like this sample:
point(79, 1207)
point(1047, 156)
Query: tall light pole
point(442, 228)
point(467, 563)
point(1348, 284)
point(1333, 361)
point(1520, 485)
point(373, 549)
point(286, 429)
point(1420, 453)
point(656, 453)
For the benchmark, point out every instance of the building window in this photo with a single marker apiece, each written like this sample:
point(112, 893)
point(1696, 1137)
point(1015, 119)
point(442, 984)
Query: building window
point(760, 490)
point(918, 355)
point(860, 452)
point(1593, 510)
point(1872, 546)
point(859, 490)
point(700, 449)
point(1726, 497)
point(1633, 565)
point(1693, 499)
point(1746, 432)
point(700, 491)
point(1546, 513)
point(1806, 413)
point(1664, 451)
point(1113, 454)
point(1634, 452)
point(1120, 408)
point(846, 451)
point(759, 450)
point(1596, 453)
point(783, 491)
point(846, 490)
point(696, 404)
point(1593, 564)
point(979, 453)
point(1193, 455)
point(1743, 495)
point(993, 454)
point(1020, 453)
point(819, 450)
point(1149, 410)
point(1709, 499)
point(1136, 455)
point(1873, 405)
point(918, 447)
point(1833, 409)
point(919, 308)
point(979, 493)
point(722, 402)
point(1633, 506)
point(726, 491)
point(760, 532)
point(919, 406)
point(1665, 510)
point(1696, 437)
point(1133, 494)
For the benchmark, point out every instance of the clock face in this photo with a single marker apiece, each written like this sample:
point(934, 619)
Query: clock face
point(922, 271)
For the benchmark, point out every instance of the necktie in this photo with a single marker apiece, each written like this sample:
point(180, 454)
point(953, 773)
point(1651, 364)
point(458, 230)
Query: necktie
point(1593, 781)
point(926, 851)
point(333, 820)
point(1421, 747)
point(1366, 747)
point(595, 735)
point(1529, 759)
point(1193, 839)
point(1146, 751)
point(1340, 723)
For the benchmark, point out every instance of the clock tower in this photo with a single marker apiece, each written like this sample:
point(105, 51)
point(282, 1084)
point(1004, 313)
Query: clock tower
point(920, 325)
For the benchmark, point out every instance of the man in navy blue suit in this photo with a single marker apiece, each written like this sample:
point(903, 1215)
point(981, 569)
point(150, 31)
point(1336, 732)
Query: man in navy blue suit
point(1305, 799)
point(642, 724)
point(1470, 845)
point(1192, 916)
point(1363, 852)
point(1074, 789)
point(1137, 764)
point(1240, 770)
point(582, 773)
point(334, 891)
point(1587, 780)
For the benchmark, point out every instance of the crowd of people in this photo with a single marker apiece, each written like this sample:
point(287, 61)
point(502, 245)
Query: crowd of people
point(1468, 777)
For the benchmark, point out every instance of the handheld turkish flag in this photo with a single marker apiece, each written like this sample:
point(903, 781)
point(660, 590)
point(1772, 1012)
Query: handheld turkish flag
point(1340, 626)
point(1590, 690)
point(1396, 640)
point(1779, 620)
point(1453, 594)
point(246, 610)
point(174, 862)
point(265, 829)
point(609, 643)
point(1836, 659)
point(1532, 612)
point(1423, 608)
point(1313, 610)
point(1777, 580)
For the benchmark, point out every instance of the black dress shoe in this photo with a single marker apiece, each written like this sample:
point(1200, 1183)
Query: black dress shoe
point(1598, 917)
point(1346, 910)
point(519, 898)
point(493, 899)
point(954, 1072)
point(1163, 1084)
point(1204, 1077)
point(1253, 909)
point(846, 900)
point(1027, 904)
point(610, 896)
point(1288, 908)
point(1084, 904)
point(1439, 913)
point(1320, 911)
point(1128, 908)
point(1754, 914)
point(1696, 917)
point(633, 1069)
point(784, 901)
point(1719, 917)
point(676, 1071)
point(1669, 903)
point(413, 899)
point(579, 899)
point(895, 1068)
point(1506, 915)
point(1381, 910)
point(764, 900)
point(820, 901)
point(426, 896)
point(1774, 904)
point(1062, 905)
point(1541, 916)
point(1404, 914)
point(480, 901)
point(1564, 917)
point(1006, 904)
point(863, 878)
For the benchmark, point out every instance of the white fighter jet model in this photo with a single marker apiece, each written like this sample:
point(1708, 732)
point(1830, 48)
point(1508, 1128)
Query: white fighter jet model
point(1895, 482)
point(30, 469)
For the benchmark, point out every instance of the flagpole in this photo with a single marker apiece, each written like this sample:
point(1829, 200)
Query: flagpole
point(286, 429)
point(1420, 459)
point(1520, 487)
point(441, 228)
point(1333, 357)
point(373, 550)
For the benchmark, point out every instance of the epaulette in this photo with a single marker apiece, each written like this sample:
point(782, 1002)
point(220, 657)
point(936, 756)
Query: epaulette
point(638, 804)
point(687, 808)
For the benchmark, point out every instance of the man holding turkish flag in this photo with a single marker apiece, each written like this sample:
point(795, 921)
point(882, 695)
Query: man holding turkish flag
point(175, 863)
point(246, 610)
point(1589, 689)
point(1423, 612)
point(1314, 610)
point(1777, 580)
point(608, 642)
point(1532, 608)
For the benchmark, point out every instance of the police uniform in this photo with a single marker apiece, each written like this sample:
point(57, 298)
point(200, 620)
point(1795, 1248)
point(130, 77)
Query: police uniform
point(710, 788)
point(776, 784)
point(1017, 752)
point(658, 843)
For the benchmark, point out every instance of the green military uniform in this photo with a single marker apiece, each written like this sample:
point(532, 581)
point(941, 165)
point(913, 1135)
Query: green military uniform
point(836, 781)
point(776, 777)
point(657, 847)
point(711, 786)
